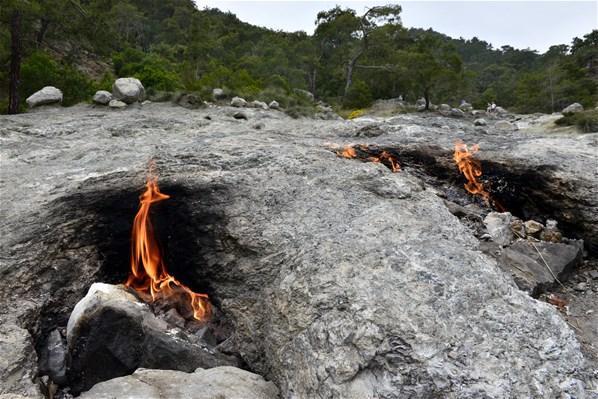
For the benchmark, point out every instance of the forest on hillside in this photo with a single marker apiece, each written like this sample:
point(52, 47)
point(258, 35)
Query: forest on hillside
point(351, 60)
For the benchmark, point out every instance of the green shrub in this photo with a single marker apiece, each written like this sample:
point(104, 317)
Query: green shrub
point(586, 121)
point(39, 70)
point(151, 69)
point(358, 96)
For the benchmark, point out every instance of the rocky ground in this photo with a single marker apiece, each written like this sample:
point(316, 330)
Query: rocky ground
point(341, 278)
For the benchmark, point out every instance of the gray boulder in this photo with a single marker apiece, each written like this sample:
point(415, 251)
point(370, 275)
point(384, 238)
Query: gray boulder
point(189, 100)
point(53, 358)
point(18, 362)
point(501, 111)
point(465, 106)
point(573, 108)
point(218, 94)
point(110, 333)
point(102, 97)
point(47, 95)
point(499, 227)
point(444, 108)
point(480, 122)
point(117, 104)
point(214, 383)
point(274, 105)
point(456, 112)
point(534, 265)
point(238, 102)
point(258, 104)
point(128, 90)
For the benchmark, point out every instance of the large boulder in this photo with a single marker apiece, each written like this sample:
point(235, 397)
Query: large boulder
point(111, 333)
point(465, 106)
point(258, 104)
point(117, 104)
point(457, 113)
point(215, 383)
point(573, 108)
point(274, 105)
point(128, 90)
point(102, 97)
point(46, 96)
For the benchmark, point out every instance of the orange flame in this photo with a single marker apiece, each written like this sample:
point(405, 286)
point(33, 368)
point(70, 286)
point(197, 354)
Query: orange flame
point(149, 275)
point(471, 168)
point(385, 157)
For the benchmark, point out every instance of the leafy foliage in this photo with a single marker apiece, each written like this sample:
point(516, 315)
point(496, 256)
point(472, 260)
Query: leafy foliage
point(351, 60)
point(586, 121)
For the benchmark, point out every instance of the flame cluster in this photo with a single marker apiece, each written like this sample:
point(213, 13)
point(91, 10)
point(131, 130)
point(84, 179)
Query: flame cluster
point(366, 153)
point(149, 275)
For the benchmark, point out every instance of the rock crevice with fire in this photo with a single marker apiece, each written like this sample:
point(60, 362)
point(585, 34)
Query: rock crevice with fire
point(325, 276)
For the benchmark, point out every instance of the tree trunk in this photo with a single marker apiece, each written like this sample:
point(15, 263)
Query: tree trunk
point(41, 34)
point(350, 69)
point(15, 62)
point(427, 98)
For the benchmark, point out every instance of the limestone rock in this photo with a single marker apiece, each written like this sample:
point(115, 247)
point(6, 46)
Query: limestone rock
point(215, 383)
point(218, 94)
point(501, 111)
point(102, 97)
point(258, 104)
point(530, 270)
point(573, 108)
point(465, 106)
point(47, 95)
point(274, 105)
point(304, 93)
point(480, 122)
point(240, 115)
point(53, 358)
point(128, 90)
point(18, 362)
point(189, 101)
point(238, 102)
point(532, 227)
point(111, 333)
point(499, 227)
point(117, 104)
point(456, 112)
point(444, 108)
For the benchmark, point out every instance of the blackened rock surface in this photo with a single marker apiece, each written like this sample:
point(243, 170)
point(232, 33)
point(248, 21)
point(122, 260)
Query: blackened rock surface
point(342, 279)
point(111, 333)
point(53, 358)
point(215, 383)
point(528, 262)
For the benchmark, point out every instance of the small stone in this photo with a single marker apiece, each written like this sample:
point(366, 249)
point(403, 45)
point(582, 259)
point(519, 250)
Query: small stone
point(173, 317)
point(274, 105)
point(551, 224)
point(456, 112)
point(480, 122)
point(499, 227)
point(117, 104)
point(532, 227)
point(218, 94)
point(53, 358)
point(258, 104)
point(238, 102)
point(102, 97)
point(518, 228)
point(580, 287)
point(259, 126)
point(593, 274)
point(504, 125)
point(240, 115)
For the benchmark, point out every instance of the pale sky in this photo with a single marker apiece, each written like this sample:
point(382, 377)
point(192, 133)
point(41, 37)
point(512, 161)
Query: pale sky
point(521, 24)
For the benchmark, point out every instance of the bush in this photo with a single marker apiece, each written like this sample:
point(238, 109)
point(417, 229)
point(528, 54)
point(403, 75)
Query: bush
point(358, 96)
point(356, 114)
point(151, 69)
point(39, 70)
point(586, 121)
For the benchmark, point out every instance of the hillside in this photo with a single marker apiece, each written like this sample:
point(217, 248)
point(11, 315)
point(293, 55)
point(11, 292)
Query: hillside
point(351, 60)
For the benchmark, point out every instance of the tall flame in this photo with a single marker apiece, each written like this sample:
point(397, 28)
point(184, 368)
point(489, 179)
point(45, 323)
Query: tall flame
point(149, 275)
point(471, 168)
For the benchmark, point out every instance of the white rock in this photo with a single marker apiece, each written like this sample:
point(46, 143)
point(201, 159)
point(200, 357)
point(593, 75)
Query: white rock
point(47, 95)
point(218, 382)
point(102, 97)
point(444, 108)
point(465, 106)
point(128, 90)
point(480, 122)
point(499, 227)
point(573, 108)
point(501, 111)
point(238, 102)
point(274, 104)
point(457, 113)
point(258, 104)
point(116, 104)
point(218, 94)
